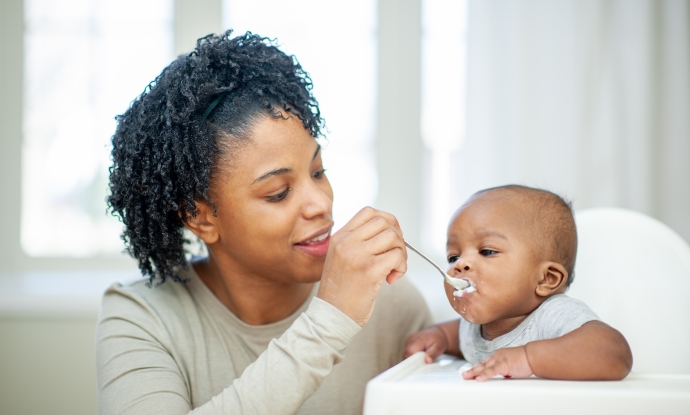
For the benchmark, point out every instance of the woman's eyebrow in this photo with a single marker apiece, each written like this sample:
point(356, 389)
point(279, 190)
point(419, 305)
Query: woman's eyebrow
point(276, 172)
point(283, 170)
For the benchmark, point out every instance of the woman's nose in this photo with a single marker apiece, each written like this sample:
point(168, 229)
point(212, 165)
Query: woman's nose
point(318, 203)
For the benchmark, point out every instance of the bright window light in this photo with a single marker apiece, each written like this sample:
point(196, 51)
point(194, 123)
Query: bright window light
point(444, 43)
point(85, 61)
point(336, 44)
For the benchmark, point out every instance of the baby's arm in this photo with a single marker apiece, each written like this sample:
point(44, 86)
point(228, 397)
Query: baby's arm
point(436, 340)
point(595, 351)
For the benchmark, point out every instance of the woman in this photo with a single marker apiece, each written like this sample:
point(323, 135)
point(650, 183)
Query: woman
point(223, 143)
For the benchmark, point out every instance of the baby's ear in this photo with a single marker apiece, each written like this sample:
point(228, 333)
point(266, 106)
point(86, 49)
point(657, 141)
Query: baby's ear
point(553, 278)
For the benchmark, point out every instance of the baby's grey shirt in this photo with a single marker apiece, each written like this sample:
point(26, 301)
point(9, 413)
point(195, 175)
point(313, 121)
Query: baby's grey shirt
point(556, 316)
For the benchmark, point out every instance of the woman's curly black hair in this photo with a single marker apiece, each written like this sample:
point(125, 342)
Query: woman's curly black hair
point(167, 144)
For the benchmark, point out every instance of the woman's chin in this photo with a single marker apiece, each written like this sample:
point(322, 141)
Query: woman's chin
point(307, 273)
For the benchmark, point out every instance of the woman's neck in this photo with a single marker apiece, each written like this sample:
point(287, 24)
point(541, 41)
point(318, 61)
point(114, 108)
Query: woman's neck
point(253, 300)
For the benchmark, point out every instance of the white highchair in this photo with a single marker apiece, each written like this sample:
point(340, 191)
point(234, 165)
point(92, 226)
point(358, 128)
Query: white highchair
point(634, 272)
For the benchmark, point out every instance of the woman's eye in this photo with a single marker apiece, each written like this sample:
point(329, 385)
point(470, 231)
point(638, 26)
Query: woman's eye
point(319, 174)
point(453, 259)
point(280, 196)
point(487, 252)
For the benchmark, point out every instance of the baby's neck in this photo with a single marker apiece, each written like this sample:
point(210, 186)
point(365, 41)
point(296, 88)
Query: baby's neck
point(498, 328)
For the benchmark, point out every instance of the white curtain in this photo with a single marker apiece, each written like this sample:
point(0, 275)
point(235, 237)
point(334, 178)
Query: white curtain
point(590, 99)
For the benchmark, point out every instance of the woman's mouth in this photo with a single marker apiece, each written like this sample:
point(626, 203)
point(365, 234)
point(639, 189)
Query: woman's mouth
point(316, 246)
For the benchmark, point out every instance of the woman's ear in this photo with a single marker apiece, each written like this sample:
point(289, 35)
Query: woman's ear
point(203, 225)
point(553, 278)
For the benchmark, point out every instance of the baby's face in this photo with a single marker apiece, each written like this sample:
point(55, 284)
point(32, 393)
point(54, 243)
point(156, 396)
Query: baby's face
point(490, 244)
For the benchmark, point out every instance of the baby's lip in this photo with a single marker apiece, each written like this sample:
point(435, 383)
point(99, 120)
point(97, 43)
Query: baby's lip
point(466, 291)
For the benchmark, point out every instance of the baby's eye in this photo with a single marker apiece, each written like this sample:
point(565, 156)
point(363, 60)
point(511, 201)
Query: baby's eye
point(487, 252)
point(453, 259)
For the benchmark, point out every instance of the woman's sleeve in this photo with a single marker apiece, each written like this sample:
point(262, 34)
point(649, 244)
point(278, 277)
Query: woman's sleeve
point(138, 375)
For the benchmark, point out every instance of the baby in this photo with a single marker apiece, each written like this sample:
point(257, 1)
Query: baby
point(517, 247)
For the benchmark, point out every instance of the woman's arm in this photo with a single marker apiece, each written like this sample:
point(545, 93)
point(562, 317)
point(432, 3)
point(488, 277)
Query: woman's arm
point(368, 251)
point(139, 372)
point(138, 366)
point(595, 351)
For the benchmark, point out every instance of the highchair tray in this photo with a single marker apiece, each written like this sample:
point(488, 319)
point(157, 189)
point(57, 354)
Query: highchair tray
point(413, 387)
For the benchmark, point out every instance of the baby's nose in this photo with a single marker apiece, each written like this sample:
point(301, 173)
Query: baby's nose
point(461, 265)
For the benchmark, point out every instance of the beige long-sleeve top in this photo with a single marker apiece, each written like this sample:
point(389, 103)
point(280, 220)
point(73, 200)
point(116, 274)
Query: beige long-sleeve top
point(176, 349)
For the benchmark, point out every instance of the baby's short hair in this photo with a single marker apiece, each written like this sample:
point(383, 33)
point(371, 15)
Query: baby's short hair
point(552, 216)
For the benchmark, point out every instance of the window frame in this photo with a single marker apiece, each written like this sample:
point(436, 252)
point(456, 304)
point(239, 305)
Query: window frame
point(397, 138)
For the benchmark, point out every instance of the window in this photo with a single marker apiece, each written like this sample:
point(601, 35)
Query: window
point(85, 61)
point(335, 42)
point(79, 74)
point(444, 42)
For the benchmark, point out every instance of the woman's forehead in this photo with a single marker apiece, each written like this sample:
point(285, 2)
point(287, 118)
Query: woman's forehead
point(274, 143)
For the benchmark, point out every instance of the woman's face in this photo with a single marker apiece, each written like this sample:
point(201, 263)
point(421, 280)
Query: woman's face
point(274, 205)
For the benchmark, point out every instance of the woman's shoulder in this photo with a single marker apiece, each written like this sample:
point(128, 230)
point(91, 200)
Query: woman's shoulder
point(140, 298)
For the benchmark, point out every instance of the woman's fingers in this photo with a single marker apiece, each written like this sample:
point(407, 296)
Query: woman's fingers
point(375, 226)
point(362, 254)
point(384, 241)
point(394, 260)
point(394, 275)
point(366, 214)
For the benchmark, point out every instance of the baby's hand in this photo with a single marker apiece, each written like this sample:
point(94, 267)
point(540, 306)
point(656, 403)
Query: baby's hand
point(510, 362)
point(432, 340)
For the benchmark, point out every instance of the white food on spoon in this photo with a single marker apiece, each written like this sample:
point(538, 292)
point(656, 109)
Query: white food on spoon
point(458, 284)
point(470, 288)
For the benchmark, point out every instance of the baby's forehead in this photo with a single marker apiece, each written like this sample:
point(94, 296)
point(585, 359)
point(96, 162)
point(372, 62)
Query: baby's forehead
point(497, 213)
point(500, 204)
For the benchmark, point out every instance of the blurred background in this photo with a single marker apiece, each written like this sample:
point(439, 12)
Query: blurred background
point(426, 102)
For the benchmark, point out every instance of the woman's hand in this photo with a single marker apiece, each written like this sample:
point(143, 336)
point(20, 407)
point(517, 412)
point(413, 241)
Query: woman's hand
point(368, 250)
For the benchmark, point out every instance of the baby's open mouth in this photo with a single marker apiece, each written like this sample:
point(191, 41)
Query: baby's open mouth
point(465, 291)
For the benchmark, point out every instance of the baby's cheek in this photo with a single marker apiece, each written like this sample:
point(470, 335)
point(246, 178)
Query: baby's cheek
point(449, 294)
point(455, 302)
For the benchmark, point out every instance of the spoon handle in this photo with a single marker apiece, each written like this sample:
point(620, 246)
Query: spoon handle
point(427, 259)
point(456, 283)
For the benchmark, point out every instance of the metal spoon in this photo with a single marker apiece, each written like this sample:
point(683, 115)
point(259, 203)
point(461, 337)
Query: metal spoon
point(456, 283)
